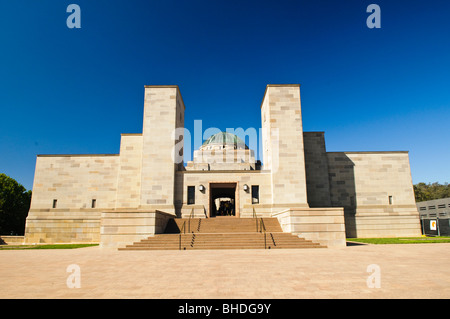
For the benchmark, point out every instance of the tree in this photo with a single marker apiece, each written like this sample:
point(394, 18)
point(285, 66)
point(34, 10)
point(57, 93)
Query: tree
point(424, 192)
point(14, 205)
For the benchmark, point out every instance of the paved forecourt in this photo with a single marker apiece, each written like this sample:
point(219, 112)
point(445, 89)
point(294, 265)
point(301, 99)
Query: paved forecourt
point(402, 271)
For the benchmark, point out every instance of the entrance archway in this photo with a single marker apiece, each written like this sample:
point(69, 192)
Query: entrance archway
point(223, 200)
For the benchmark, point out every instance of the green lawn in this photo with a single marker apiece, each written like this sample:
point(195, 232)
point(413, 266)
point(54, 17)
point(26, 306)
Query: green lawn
point(401, 240)
point(55, 246)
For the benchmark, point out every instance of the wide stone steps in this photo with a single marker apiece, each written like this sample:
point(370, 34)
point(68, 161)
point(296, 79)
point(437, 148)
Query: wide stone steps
point(222, 241)
point(222, 225)
point(222, 233)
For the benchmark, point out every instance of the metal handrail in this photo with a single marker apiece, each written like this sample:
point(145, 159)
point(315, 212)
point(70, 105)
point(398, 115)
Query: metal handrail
point(256, 218)
point(191, 215)
point(273, 240)
point(263, 227)
point(192, 239)
point(183, 229)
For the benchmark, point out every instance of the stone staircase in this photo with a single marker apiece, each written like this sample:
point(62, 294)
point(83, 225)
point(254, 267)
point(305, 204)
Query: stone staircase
point(222, 233)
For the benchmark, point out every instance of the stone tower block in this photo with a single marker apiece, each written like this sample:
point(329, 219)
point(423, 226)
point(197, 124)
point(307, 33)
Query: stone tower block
point(163, 113)
point(283, 150)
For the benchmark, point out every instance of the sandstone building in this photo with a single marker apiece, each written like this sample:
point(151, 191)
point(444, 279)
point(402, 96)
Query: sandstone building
point(117, 199)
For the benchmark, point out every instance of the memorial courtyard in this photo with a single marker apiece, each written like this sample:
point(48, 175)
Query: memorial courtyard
point(404, 271)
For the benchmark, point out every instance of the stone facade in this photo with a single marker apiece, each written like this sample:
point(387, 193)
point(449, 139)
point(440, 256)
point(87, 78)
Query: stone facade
point(375, 188)
point(116, 199)
point(64, 191)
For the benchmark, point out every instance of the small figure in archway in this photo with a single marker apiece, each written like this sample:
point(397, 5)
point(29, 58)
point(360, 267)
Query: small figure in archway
point(221, 208)
point(228, 208)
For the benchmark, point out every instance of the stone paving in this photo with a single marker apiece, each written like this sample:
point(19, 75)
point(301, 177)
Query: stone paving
point(406, 271)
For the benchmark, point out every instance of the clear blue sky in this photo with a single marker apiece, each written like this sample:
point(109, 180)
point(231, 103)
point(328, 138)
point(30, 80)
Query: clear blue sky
point(73, 91)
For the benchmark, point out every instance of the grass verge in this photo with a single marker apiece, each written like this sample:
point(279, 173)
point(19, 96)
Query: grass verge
point(401, 240)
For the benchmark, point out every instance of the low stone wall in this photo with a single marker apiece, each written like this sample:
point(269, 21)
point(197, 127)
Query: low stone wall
point(62, 226)
point(186, 210)
point(261, 210)
point(323, 225)
point(12, 240)
point(266, 210)
point(109, 228)
point(119, 229)
point(383, 221)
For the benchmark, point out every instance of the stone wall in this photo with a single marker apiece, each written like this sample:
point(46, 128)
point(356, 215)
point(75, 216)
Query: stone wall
point(323, 225)
point(12, 240)
point(63, 226)
point(376, 191)
point(74, 181)
point(64, 190)
point(316, 167)
point(129, 174)
point(120, 228)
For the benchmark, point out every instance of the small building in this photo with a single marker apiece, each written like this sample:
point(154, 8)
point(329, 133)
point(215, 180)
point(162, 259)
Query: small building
point(435, 216)
point(117, 199)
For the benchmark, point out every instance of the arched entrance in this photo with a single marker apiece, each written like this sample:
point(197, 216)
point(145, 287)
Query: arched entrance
point(223, 200)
